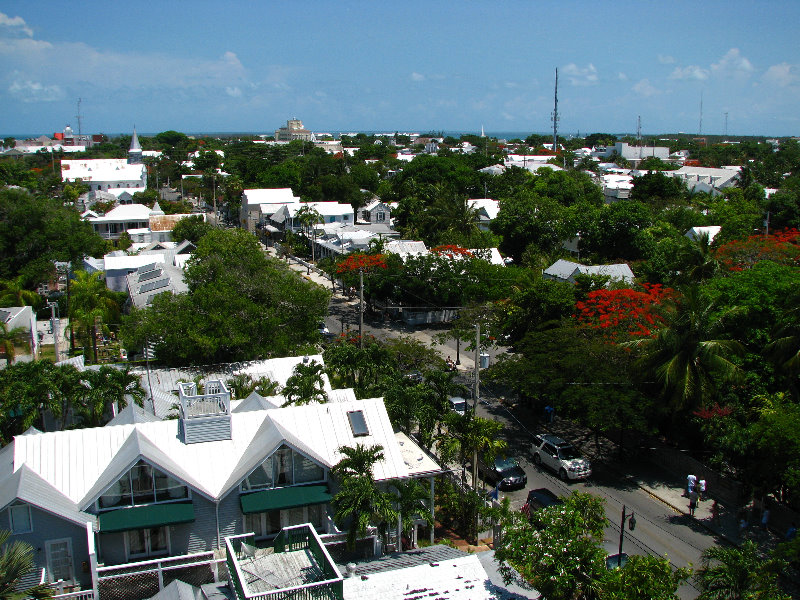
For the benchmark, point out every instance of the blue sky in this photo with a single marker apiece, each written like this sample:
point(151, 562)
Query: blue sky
point(408, 66)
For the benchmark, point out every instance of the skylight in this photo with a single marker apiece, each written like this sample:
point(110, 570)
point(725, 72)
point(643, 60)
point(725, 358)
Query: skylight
point(358, 424)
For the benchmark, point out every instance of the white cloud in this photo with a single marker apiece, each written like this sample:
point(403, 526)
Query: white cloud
point(733, 61)
point(33, 91)
point(580, 76)
point(234, 92)
point(692, 72)
point(417, 76)
point(16, 23)
point(782, 75)
point(622, 77)
point(644, 88)
point(666, 59)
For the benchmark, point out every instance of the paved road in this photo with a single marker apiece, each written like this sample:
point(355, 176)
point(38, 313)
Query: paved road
point(660, 528)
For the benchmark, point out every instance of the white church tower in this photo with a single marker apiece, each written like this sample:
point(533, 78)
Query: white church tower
point(135, 152)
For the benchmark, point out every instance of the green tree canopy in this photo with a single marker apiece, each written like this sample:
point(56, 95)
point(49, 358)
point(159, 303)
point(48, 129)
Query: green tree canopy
point(241, 305)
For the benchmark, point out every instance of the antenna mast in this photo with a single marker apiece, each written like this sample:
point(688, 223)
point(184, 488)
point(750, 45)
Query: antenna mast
point(726, 124)
point(700, 129)
point(555, 118)
point(639, 135)
point(78, 117)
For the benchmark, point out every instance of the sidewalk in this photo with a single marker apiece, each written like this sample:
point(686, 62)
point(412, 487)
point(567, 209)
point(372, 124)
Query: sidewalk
point(670, 490)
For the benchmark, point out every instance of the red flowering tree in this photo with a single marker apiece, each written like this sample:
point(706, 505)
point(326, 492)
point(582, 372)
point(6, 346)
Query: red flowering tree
point(621, 312)
point(452, 251)
point(782, 247)
point(353, 263)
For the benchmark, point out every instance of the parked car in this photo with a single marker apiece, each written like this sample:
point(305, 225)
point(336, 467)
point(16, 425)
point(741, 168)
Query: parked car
point(616, 561)
point(538, 499)
point(458, 404)
point(560, 456)
point(504, 473)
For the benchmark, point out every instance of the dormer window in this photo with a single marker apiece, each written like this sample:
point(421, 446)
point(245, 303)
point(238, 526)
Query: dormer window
point(285, 467)
point(143, 484)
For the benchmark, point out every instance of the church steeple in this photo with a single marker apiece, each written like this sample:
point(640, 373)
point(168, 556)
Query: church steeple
point(135, 152)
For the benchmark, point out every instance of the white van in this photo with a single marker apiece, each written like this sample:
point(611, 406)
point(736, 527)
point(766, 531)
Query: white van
point(458, 404)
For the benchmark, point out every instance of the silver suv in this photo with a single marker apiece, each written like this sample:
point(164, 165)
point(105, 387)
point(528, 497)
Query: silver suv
point(560, 456)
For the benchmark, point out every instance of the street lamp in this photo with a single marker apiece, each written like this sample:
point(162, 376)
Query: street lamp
point(631, 525)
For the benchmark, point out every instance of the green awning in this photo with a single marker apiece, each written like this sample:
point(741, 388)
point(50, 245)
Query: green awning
point(288, 497)
point(142, 517)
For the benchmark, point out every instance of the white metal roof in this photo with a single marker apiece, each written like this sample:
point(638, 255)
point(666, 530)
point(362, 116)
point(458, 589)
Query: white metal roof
point(270, 196)
point(461, 578)
point(101, 169)
point(113, 263)
point(82, 463)
point(124, 212)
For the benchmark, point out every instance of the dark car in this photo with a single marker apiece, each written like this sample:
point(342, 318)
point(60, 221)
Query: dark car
point(505, 473)
point(539, 498)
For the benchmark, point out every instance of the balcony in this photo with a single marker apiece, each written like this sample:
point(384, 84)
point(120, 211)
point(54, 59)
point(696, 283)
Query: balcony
point(205, 417)
point(297, 565)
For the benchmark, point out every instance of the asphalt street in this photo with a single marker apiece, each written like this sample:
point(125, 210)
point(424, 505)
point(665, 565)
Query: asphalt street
point(660, 529)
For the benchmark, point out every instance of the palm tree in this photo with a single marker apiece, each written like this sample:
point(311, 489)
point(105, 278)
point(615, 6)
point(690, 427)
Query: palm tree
point(16, 561)
point(467, 437)
point(12, 293)
point(107, 386)
point(411, 499)
point(688, 351)
point(357, 460)
point(9, 338)
point(738, 573)
point(305, 385)
point(784, 349)
point(308, 217)
point(699, 261)
point(359, 502)
point(91, 303)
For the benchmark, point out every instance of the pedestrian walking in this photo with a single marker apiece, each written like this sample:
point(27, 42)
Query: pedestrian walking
point(715, 513)
point(701, 489)
point(692, 501)
point(690, 481)
point(765, 518)
point(549, 413)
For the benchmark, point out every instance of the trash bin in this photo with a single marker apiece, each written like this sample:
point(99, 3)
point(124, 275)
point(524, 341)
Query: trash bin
point(484, 360)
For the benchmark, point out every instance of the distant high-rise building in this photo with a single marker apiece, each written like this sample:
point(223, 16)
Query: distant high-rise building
point(294, 130)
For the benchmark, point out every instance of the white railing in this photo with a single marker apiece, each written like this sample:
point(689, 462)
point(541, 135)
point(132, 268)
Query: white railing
point(79, 595)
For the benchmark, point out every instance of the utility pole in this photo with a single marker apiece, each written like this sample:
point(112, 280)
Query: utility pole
point(477, 392)
point(631, 525)
point(361, 307)
point(54, 326)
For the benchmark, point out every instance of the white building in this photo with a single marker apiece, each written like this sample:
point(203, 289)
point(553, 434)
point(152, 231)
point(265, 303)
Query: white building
point(258, 205)
point(112, 175)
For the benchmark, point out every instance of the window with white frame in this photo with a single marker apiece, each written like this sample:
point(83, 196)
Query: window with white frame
point(20, 518)
point(143, 484)
point(285, 467)
point(142, 543)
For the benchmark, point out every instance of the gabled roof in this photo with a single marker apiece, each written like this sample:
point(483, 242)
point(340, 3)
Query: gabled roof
point(82, 463)
point(565, 270)
point(133, 413)
point(711, 231)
